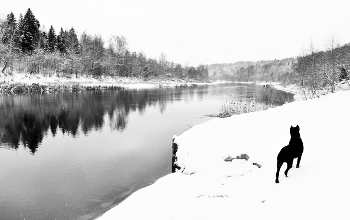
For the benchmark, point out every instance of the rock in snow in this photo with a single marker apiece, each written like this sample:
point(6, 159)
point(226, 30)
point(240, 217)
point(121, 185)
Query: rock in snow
point(319, 189)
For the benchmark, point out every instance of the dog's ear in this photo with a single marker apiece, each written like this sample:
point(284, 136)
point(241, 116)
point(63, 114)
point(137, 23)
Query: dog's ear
point(291, 127)
point(298, 127)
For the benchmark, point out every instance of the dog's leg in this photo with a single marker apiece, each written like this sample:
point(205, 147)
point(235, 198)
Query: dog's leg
point(298, 162)
point(289, 165)
point(279, 164)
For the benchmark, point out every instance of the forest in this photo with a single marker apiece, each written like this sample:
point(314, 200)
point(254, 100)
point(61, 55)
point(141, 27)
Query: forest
point(27, 47)
point(313, 70)
point(245, 71)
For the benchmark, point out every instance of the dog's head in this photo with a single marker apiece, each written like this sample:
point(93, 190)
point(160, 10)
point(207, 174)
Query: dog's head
point(294, 131)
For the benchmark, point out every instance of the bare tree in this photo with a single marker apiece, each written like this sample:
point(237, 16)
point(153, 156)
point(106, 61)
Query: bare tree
point(330, 70)
point(313, 76)
point(72, 51)
point(119, 48)
point(7, 44)
point(163, 63)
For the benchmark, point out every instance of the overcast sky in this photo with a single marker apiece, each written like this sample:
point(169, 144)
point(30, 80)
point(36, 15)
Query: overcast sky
point(200, 31)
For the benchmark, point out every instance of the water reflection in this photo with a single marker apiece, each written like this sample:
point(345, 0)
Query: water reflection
point(27, 119)
point(93, 149)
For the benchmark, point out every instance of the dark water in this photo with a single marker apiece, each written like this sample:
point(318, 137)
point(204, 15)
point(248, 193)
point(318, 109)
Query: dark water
point(75, 155)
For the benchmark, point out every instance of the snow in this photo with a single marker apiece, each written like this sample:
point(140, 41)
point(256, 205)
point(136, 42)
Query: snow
point(126, 82)
point(207, 187)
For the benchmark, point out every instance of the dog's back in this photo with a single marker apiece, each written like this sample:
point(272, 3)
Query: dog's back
point(296, 147)
point(293, 150)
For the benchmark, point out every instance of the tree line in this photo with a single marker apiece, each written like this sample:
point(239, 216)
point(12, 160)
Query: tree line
point(313, 70)
point(323, 69)
point(27, 47)
point(249, 71)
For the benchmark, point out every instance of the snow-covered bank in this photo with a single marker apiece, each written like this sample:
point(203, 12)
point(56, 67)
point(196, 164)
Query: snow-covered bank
point(303, 93)
point(207, 187)
point(84, 81)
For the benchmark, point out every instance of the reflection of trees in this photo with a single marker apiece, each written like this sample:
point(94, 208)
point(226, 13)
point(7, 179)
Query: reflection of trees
point(11, 133)
point(202, 92)
point(31, 131)
point(68, 121)
point(26, 119)
point(118, 120)
point(272, 97)
point(25, 127)
point(53, 122)
point(162, 105)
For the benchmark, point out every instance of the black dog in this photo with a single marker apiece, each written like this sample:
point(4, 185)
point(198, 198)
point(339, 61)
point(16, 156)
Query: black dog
point(287, 154)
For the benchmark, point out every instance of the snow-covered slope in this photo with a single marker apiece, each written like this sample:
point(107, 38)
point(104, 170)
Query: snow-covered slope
point(207, 187)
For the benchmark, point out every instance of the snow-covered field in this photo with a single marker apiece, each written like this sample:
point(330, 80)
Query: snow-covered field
point(207, 187)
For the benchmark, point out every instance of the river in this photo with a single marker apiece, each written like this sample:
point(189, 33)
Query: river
point(76, 155)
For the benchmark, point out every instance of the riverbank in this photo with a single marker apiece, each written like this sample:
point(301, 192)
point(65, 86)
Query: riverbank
point(20, 83)
point(208, 187)
point(302, 93)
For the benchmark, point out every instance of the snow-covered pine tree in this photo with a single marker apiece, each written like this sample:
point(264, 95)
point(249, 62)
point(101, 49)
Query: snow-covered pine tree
point(19, 36)
point(51, 40)
point(9, 29)
point(43, 41)
point(61, 42)
point(72, 41)
point(31, 33)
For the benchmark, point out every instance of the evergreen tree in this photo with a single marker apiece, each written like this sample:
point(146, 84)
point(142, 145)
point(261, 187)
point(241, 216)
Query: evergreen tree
point(31, 33)
point(10, 30)
point(61, 42)
point(43, 41)
point(51, 40)
point(19, 35)
point(72, 41)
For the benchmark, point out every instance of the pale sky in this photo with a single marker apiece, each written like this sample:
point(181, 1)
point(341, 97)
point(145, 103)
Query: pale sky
point(200, 31)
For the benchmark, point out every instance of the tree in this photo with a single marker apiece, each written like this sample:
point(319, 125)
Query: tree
point(19, 36)
point(8, 36)
point(192, 72)
point(51, 40)
point(87, 56)
point(9, 29)
point(266, 70)
point(250, 72)
point(118, 47)
point(311, 70)
point(92, 53)
point(62, 41)
point(242, 73)
point(178, 71)
point(142, 65)
point(330, 70)
point(70, 46)
point(203, 73)
point(30, 30)
point(163, 64)
point(72, 42)
point(43, 41)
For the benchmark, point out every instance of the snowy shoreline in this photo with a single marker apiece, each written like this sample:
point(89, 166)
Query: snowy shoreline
point(19, 83)
point(26, 83)
point(208, 187)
